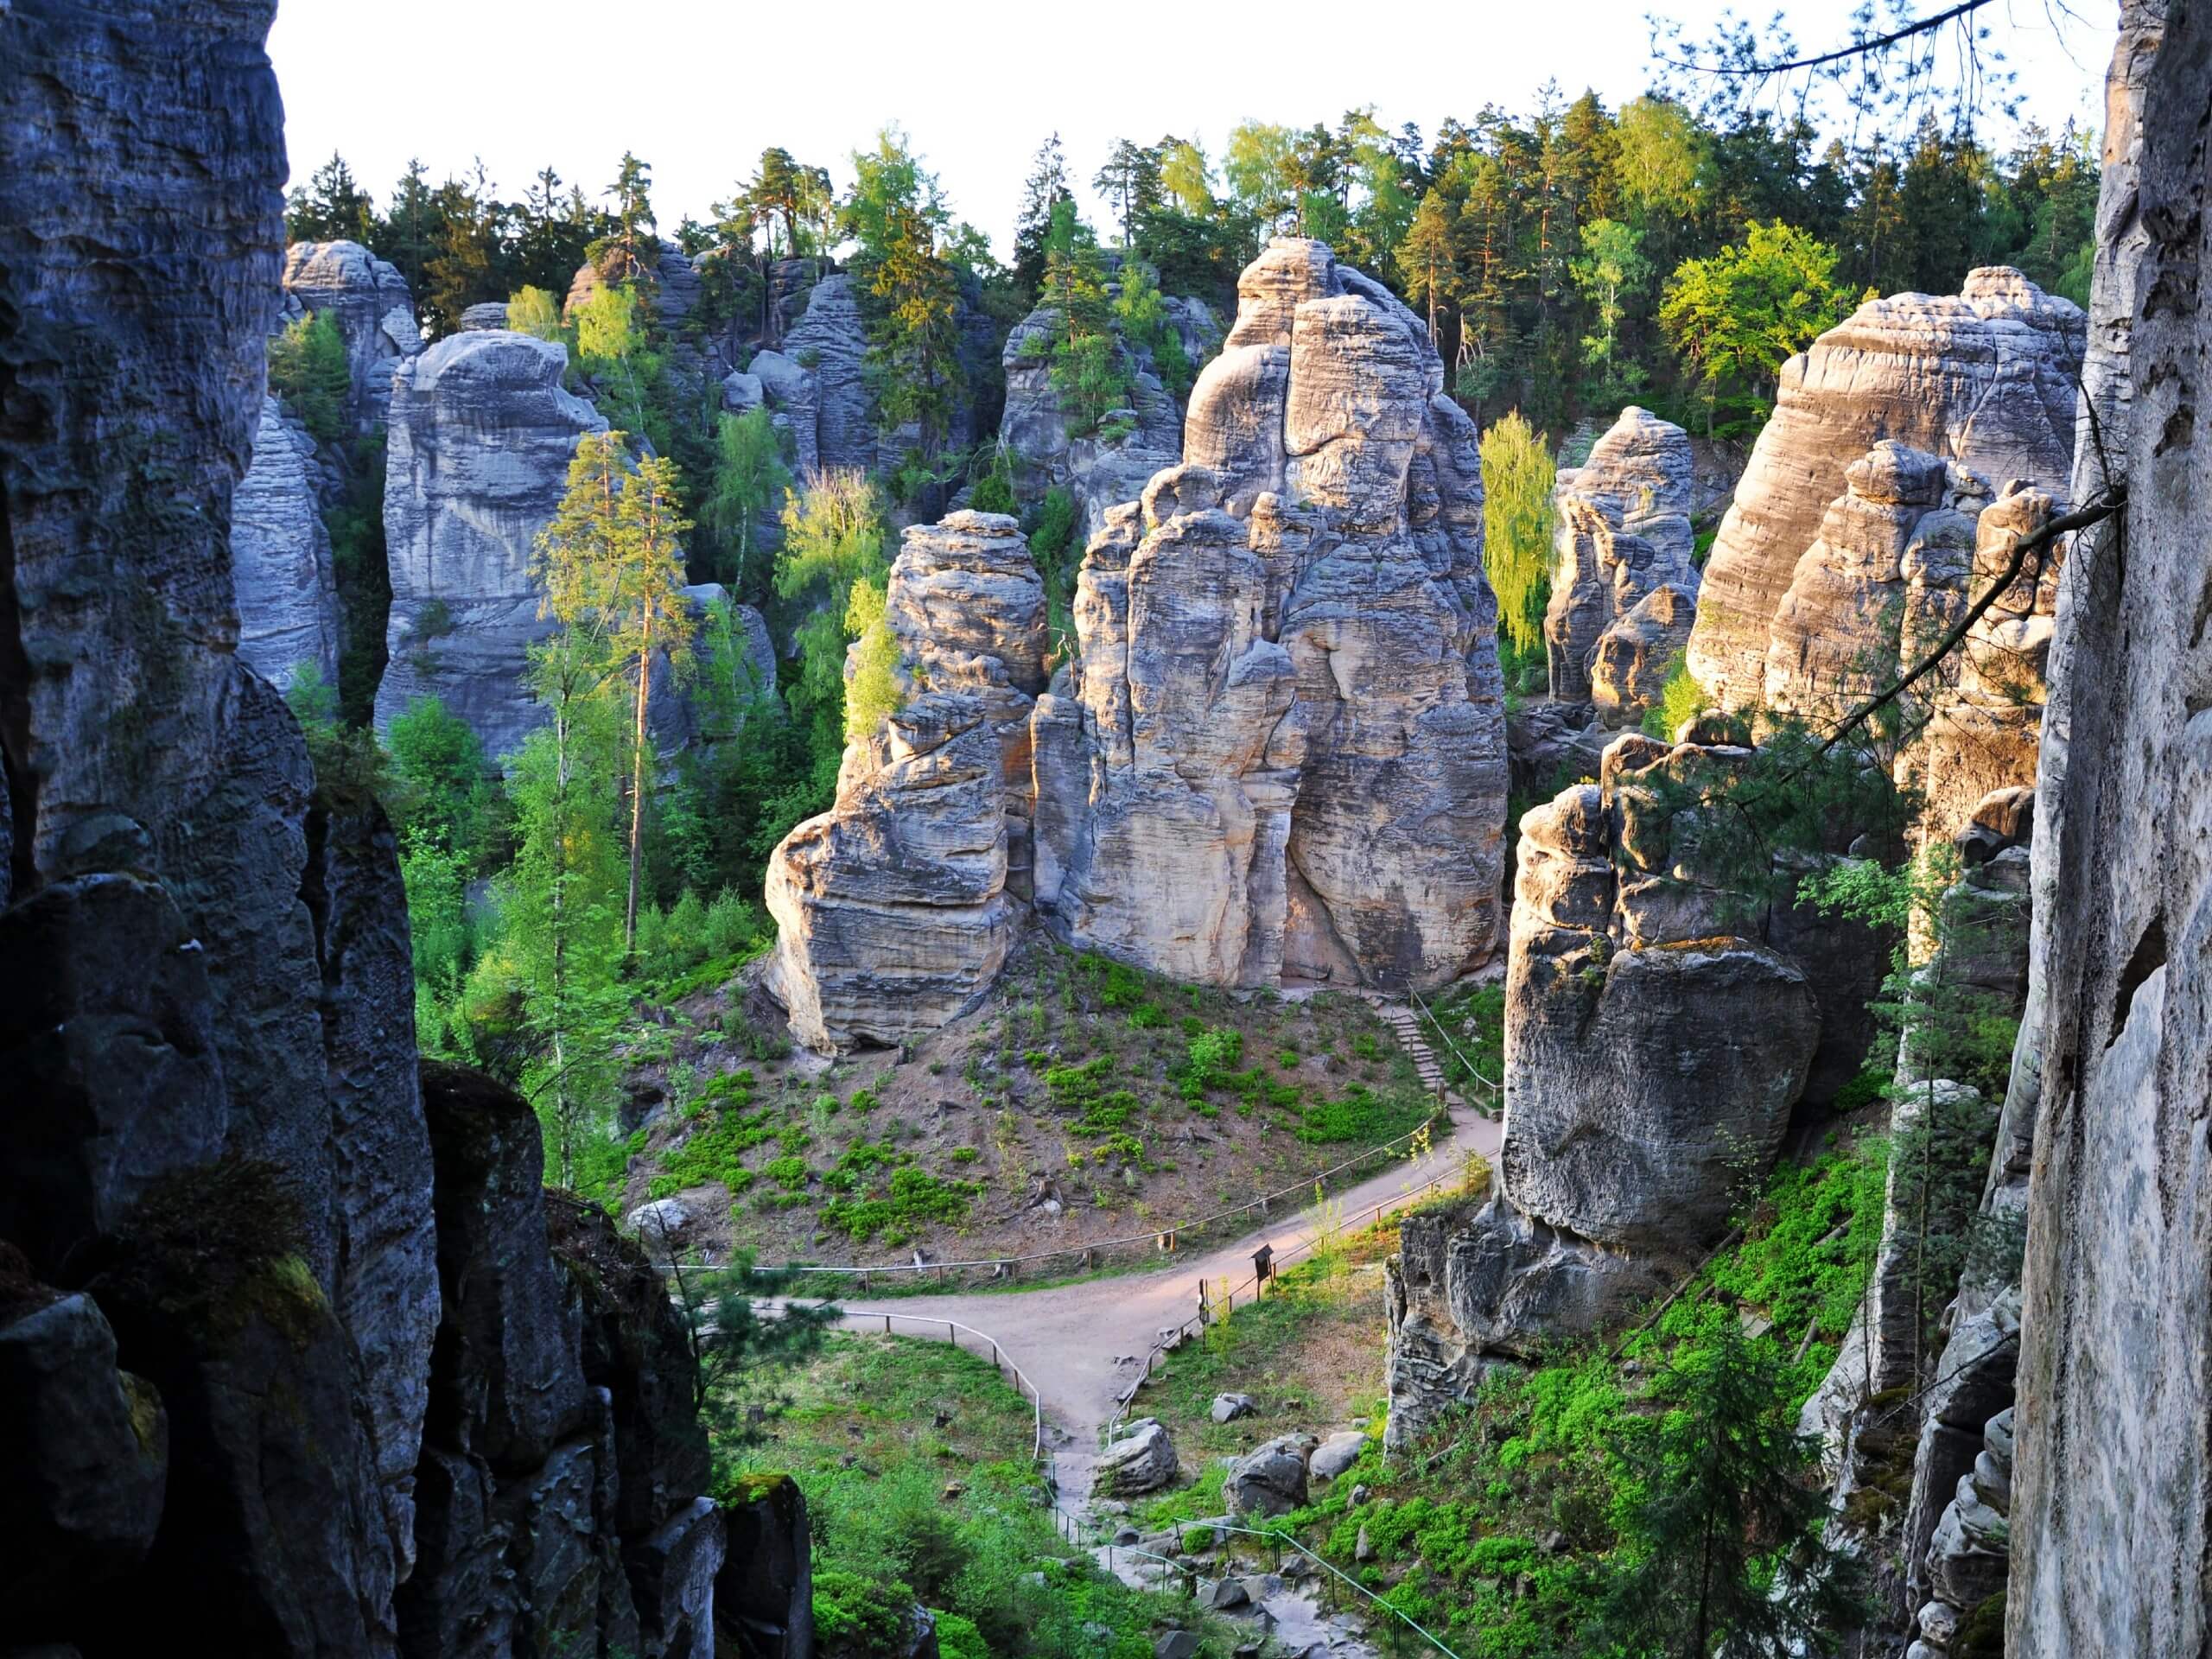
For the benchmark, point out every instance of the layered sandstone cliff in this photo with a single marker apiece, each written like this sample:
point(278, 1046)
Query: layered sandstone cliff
point(893, 909)
point(1985, 378)
point(1285, 721)
point(280, 556)
point(368, 299)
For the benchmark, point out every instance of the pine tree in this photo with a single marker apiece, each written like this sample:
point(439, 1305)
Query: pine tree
point(1042, 192)
point(910, 293)
point(1720, 1544)
point(1130, 179)
point(1430, 258)
point(622, 254)
point(331, 207)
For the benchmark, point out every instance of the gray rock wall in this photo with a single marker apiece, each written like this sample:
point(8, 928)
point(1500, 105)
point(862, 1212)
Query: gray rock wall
point(279, 557)
point(2113, 1422)
point(479, 446)
point(225, 1273)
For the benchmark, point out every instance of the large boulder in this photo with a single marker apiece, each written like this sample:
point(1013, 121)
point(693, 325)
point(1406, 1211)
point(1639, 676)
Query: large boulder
point(479, 442)
point(1270, 1479)
point(1141, 1459)
point(1289, 697)
point(1984, 377)
point(279, 557)
point(895, 909)
point(368, 299)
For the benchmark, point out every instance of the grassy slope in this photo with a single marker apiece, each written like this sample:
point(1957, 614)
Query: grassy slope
point(1071, 1086)
point(914, 1458)
point(1495, 1530)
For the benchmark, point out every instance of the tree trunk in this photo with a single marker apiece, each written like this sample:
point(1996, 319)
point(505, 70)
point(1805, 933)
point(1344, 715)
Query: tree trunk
point(638, 788)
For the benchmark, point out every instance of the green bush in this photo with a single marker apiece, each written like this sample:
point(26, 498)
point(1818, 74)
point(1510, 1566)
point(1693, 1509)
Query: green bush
point(855, 1617)
point(915, 1198)
point(1681, 699)
point(1211, 1055)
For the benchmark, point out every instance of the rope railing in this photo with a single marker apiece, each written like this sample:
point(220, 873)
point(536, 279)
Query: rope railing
point(1177, 1333)
point(1421, 1006)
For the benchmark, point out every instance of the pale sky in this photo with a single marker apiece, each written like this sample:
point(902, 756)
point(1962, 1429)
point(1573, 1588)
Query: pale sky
point(698, 89)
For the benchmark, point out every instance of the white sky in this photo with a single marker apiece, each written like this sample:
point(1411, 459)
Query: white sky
point(699, 88)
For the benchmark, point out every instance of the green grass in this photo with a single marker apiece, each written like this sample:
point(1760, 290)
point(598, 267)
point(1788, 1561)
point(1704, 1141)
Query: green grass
point(1495, 1530)
point(914, 1458)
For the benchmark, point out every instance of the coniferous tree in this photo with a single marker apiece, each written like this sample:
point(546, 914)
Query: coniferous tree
point(749, 478)
point(1043, 191)
point(910, 292)
point(331, 206)
point(1721, 1546)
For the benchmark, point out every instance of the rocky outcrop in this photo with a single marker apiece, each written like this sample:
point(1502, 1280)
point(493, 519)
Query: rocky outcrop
point(2113, 1422)
point(1105, 467)
point(1623, 589)
point(561, 1457)
point(833, 416)
point(368, 299)
point(220, 1283)
point(279, 557)
point(1662, 1028)
point(1985, 378)
point(1140, 1459)
point(1287, 703)
point(893, 909)
point(480, 439)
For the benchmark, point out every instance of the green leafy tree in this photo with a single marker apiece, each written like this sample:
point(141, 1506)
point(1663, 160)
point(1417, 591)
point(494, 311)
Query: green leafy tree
point(1130, 179)
point(749, 477)
point(834, 540)
point(1611, 271)
point(910, 291)
point(1738, 315)
point(1720, 1538)
point(1087, 370)
point(1517, 515)
point(534, 311)
point(611, 346)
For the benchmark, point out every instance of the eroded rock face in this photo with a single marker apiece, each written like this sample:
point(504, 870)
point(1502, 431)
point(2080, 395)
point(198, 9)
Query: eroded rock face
point(2114, 1414)
point(279, 557)
point(1290, 700)
point(1624, 590)
point(834, 419)
point(893, 909)
point(1985, 378)
point(479, 443)
point(214, 1142)
point(368, 299)
point(1661, 1030)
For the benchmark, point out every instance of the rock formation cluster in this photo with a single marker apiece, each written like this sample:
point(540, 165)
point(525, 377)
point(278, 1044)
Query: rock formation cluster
point(368, 299)
point(1281, 748)
point(295, 1346)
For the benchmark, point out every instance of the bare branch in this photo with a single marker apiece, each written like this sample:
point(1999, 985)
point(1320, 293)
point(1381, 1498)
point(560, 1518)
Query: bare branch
point(1856, 49)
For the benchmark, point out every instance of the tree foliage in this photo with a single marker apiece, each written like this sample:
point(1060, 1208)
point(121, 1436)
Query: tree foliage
point(1518, 513)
